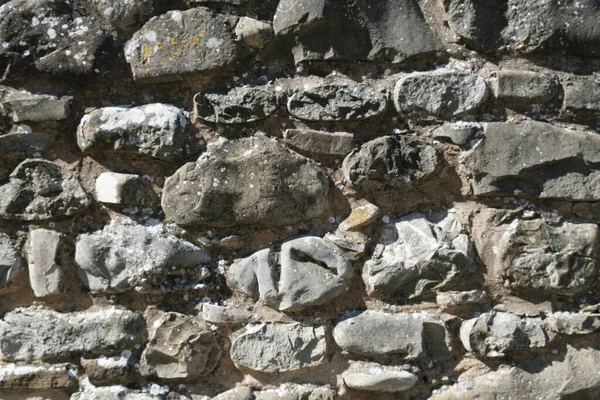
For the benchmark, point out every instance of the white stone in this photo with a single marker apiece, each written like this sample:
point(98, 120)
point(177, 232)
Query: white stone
point(117, 188)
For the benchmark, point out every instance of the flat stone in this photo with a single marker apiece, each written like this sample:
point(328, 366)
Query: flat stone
point(540, 161)
point(525, 87)
point(277, 348)
point(239, 105)
point(454, 299)
point(254, 33)
point(113, 392)
point(10, 260)
point(157, 130)
point(337, 102)
point(439, 94)
point(349, 240)
point(45, 272)
point(115, 188)
point(460, 133)
point(378, 378)
point(566, 323)
point(13, 143)
point(239, 393)
point(40, 190)
point(119, 258)
point(225, 315)
point(294, 391)
point(33, 333)
point(21, 105)
point(363, 214)
point(582, 95)
point(318, 143)
point(277, 187)
point(194, 42)
point(109, 370)
point(37, 376)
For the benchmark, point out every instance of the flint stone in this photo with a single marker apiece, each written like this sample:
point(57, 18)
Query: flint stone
point(312, 272)
point(239, 393)
point(12, 143)
point(582, 95)
point(537, 253)
point(460, 133)
point(317, 143)
point(113, 392)
point(10, 260)
point(276, 348)
point(363, 213)
point(417, 254)
point(122, 257)
point(337, 102)
point(45, 274)
point(379, 378)
point(38, 376)
point(384, 31)
point(250, 181)
point(236, 106)
point(157, 130)
point(253, 33)
point(525, 87)
point(117, 188)
point(195, 42)
point(225, 315)
point(439, 94)
point(109, 370)
point(32, 333)
point(40, 190)
point(179, 347)
point(21, 105)
point(574, 323)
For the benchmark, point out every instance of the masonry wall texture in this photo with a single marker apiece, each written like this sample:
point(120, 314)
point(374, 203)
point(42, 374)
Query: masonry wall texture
point(299, 199)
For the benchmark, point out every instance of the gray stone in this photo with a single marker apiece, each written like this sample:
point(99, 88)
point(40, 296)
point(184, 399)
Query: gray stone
point(10, 260)
point(236, 106)
point(460, 133)
point(277, 348)
point(337, 102)
point(537, 253)
point(582, 95)
point(454, 299)
point(294, 391)
point(37, 376)
point(21, 105)
point(539, 160)
point(45, 273)
point(363, 213)
point(318, 143)
point(384, 31)
point(33, 333)
point(312, 272)
point(157, 130)
point(353, 241)
point(123, 16)
point(115, 188)
point(249, 181)
point(439, 94)
point(109, 370)
point(225, 315)
point(239, 393)
point(396, 161)
point(254, 33)
point(525, 87)
point(113, 392)
point(119, 258)
point(179, 347)
point(179, 44)
point(573, 323)
point(25, 143)
point(417, 254)
point(379, 378)
point(497, 334)
point(40, 190)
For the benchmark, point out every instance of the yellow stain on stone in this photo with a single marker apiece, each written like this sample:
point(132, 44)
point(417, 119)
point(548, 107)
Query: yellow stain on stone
point(195, 40)
point(173, 41)
point(147, 52)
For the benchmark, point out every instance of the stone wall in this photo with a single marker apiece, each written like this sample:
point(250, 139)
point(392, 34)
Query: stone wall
point(299, 199)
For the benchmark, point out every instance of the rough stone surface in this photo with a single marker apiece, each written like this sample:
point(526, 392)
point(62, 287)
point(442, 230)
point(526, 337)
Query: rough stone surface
point(240, 393)
point(10, 260)
point(379, 378)
point(574, 323)
point(24, 143)
point(582, 95)
point(45, 273)
point(36, 376)
point(454, 299)
point(276, 187)
point(363, 213)
point(318, 143)
point(277, 348)
point(21, 105)
point(109, 370)
point(294, 391)
point(115, 188)
point(225, 315)
point(460, 133)
point(236, 106)
point(525, 87)
point(254, 33)
point(113, 393)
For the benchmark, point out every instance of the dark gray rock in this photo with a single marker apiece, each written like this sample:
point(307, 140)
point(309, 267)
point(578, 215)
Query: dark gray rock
point(40, 190)
point(318, 143)
point(337, 102)
point(525, 87)
point(10, 260)
point(123, 16)
point(21, 105)
point(379, 378)
point(45, 273)
point(582, 95)
point(254, 33)
point(460, 133)
point(538, 160)
point(236, 106)
point(249, 181)
point(13, 143)
point(37, 376)
point(115, 188)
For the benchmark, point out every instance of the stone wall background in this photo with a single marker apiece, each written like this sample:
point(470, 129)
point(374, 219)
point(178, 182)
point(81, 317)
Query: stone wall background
point(299, 199)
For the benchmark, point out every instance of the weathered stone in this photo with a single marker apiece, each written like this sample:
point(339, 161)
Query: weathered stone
point(453, 299)
point(496, 334)
point(249, 181)
point(38, 376)
point(225, 315)
point(397, 161)
point(240, 393)
point(363, 213)
point(122, 257)
point(157, 130)
point(113, 392)
point(276, 348)
point(460, 133)
point(337, 102)
point(543, 254)
point(582, 95)
point(179, 347)
point(123, 16)
point(21, 105)
point(40, 190)
point(417, 254)
point(45, 273)
point(386, 31)
point(318, 143)
point(538, 160)
point(312, 272)
point(525, 87)
point(115, 188)
point(349, 240)
point(109, 370)
point(294, 391)
point(239, 105)
point(573, 323)
point(179, 44)
point(25, 143)
point(10, 260)
point(439, 94)
point(32, 333)
point(254, 33)
point(379, 378)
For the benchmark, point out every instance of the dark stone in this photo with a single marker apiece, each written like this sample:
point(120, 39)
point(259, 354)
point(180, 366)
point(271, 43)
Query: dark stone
point(525, 87)
point(237, 106)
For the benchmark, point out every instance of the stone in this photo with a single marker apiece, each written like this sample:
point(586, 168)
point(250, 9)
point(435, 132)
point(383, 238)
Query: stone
point(115, 188)
point(417, 254)
point(386, 31)
point(396, 161)
point(40, 190)
point(539, 160)
point(337, 102)
point(181, 44)
point(250, 181)
point(513, 86)
point(239, 105)
point(31, 333)
point(408, 335)
point(349, 240)
point(10, 260)
point(253, 33)
point(318, 143)
point(156, 130)
point(45, 272)
point(113, 392)
point(179, 347)
point(582, 95)
point(363, 214)
point(311, 272)
point(460, 133)
point(122, 257)
point(225, 315)
point(537, 253)
point(109, 370)
point(497, 334)
point(278, 348)
point(454, 299)
point(294, 391)
point(239, 393)
point(439, 94)
point(379, 378)
point(37, 376)
point(125, 17)
point(13, 143)
point(566, 323)
point(21, 105)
